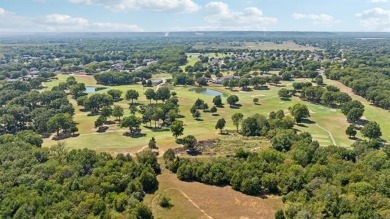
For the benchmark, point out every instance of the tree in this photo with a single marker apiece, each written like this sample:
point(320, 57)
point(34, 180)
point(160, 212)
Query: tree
point(60, 121)
point(163, 93)
point(132, 122)
point(237, 119)
point(351, 132)
point(220, 124)
point(256, 101)
point(299, 112)
point(118, 112)
point(106, 111)
point(213, 110)
point(30, 137)
point(189, 142)
point(371, 130)
point(284, 94)
point(100, 121)
point(345, 108)
point(77, 90)
point(150, 94)
point(217, 100)
point(152, 143)
point(232, 100)
point(115, 94)
point(132, 95)
point(355, 114)
point(177, 128)
point(197, 114)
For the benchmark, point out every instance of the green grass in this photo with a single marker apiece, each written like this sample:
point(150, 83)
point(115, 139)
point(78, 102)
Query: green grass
point(192, 58)
point(372, 113)
point(114, 141)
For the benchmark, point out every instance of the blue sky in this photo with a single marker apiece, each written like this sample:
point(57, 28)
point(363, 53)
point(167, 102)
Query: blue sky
point(193, 15)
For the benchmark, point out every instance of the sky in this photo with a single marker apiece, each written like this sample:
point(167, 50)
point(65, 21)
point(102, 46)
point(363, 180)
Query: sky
point(193, 15)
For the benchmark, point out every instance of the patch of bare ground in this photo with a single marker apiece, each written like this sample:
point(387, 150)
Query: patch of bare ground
point(197, 200)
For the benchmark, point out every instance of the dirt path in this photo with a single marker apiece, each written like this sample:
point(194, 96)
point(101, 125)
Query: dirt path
point(329, 133)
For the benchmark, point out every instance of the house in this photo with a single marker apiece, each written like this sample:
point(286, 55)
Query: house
point(220, 80)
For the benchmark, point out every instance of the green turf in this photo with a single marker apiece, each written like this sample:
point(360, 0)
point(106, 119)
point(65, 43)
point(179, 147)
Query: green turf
point(114, 141)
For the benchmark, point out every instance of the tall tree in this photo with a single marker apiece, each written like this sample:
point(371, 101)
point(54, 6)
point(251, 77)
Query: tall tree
point(371, 130)
point(177, 128)
point(220, 124)
point(132, 95)
point(150, 94)
point(117, 112)
point(237, 119)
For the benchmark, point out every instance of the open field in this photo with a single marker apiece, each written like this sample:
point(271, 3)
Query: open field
point(197, 200)
point(327, 126)
point(255, 46)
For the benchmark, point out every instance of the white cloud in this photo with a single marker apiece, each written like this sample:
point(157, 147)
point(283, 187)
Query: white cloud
point(221, 17)
point(318, 19)
point(59, 23)
point(3, 12)
point(179, 6)
point(62, 19)
point(378, 1)
point(376, 19)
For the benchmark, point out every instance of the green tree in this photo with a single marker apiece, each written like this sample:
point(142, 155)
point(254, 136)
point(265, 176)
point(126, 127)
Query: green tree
point(115, 94)
point(284, 94)
point(237, 119)
point(118, 112)
point(152, 143)
point(220, 124)
point(150, 94)
point(351, 132)
point(77, 90)
point(60, 121)
point(177, 128)
point(132, 122)
point(189, 142)
point(372, 130)
point(355, 114)
point(197, 114)
point(100, 121)
point(299, 112)
point(106, 111)
point(213, 110)
point(217, 100)
point(132, 95)
point(232, 100)
point(256, 101)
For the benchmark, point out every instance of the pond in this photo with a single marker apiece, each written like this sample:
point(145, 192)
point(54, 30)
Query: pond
point(207, 92)
point(89, 90)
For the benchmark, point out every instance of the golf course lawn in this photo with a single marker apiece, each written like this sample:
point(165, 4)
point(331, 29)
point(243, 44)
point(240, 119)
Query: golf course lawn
point(325, 128)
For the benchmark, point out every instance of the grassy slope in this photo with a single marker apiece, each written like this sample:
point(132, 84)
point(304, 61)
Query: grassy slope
point(114, 141)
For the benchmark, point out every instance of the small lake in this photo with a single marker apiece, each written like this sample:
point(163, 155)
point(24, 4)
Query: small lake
point(89, 90)
point(207, 92)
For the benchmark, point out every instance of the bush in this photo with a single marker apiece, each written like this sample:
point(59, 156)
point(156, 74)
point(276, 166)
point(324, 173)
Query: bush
point(164, 201)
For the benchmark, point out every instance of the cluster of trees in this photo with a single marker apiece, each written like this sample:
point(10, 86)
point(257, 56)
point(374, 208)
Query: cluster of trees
point(25, 108)
point(316, 182)
point(54, 182)
point(111, 78)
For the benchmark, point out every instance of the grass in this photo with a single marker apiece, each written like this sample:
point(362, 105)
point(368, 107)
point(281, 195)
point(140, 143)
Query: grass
point(371, 113)
point(185, 196)
point(115, 142)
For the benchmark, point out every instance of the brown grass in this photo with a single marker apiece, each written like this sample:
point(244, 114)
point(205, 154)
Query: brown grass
point(215, 202)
